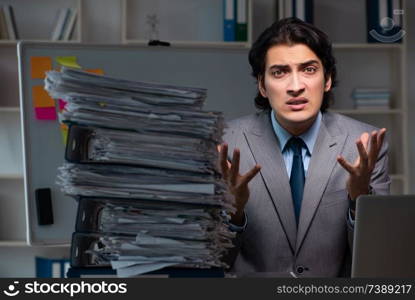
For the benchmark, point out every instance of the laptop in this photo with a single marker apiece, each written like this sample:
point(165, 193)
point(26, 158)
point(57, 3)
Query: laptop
point(384, 238)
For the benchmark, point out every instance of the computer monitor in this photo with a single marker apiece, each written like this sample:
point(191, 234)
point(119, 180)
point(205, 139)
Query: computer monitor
point(384, 237)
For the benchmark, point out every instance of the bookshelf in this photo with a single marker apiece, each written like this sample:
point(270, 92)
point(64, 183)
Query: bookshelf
point(386, 69)
point(12, 219)
point(189, 23)
point(35, 20)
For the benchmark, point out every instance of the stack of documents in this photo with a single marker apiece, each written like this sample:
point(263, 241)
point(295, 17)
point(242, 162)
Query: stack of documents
point(144, 235)
point(141, 159)
point(101, 180)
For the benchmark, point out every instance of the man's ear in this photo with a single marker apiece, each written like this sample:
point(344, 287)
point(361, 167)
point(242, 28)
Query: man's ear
point(261, 87)
point(327, 84)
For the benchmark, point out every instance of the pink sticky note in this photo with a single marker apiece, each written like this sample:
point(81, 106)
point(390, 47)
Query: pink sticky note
point(45, 113)
point(62, 104)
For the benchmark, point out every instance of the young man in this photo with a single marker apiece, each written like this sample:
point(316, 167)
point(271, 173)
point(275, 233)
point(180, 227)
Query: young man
point(296, 170)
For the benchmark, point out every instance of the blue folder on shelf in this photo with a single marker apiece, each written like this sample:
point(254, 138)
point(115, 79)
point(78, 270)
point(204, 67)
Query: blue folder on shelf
point(229, 21)
point(51, 268)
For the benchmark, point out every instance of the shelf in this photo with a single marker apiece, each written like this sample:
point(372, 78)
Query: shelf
point(11, 109)
point(203, 28)
point(201, 44)
point(367, 112)
point(24, 244)
point(8, 43)
point(14, 43)
point(11, 176)
point(13, 244)
point(360, 46)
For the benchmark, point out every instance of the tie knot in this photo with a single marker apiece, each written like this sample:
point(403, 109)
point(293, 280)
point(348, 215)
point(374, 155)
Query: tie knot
point(296, 144)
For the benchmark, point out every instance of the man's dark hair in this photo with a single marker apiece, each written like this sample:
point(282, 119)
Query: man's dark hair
point(291, 31)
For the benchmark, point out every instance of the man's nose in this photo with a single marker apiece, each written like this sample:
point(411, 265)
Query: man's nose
point(296, 85)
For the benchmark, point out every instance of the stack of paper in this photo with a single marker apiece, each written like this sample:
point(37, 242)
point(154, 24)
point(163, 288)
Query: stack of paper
point(103, 180)
point(146, 234)
point(147, 152)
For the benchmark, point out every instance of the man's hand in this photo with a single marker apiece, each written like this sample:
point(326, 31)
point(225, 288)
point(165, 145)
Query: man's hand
point(237, 183)
point(361, 171)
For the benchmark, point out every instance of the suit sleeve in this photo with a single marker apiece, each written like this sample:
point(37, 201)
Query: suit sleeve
point(380, 181)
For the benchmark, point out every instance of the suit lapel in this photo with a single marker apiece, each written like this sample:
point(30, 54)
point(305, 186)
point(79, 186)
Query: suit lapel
point(266, 151)
point(324, 158)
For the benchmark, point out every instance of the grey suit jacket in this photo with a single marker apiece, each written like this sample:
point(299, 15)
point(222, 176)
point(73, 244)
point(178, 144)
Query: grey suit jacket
point(321, 245)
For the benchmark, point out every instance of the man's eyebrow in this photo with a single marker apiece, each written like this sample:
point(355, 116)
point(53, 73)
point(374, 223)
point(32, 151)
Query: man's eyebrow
point(309, 62)
point(303, 64)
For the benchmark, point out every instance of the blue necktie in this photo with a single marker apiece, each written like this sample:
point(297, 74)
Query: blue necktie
point(297, 177)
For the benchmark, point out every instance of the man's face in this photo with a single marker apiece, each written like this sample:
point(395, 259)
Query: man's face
point(294, 84)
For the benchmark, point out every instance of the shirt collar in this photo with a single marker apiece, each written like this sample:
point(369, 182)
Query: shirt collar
point(309, 137)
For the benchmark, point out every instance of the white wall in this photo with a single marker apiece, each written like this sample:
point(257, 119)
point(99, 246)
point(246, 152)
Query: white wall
point(103, 24)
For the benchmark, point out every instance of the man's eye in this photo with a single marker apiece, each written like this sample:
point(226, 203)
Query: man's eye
point(277, 73)
point(310, 70)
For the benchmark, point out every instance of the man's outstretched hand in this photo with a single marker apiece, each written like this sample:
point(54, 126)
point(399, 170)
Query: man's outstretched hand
point(237, 183)
point(361, 170)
